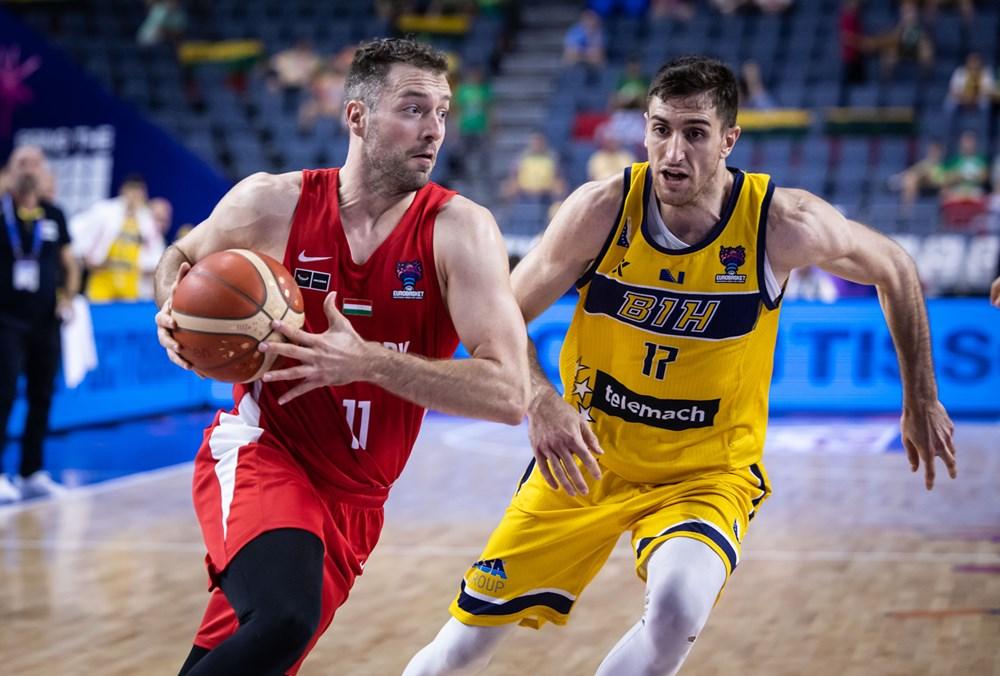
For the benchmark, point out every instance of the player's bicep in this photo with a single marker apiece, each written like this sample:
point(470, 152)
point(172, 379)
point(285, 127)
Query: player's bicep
point(567, 248)
point(478, 294)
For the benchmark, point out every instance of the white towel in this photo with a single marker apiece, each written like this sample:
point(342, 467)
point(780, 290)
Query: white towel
point(79, 352)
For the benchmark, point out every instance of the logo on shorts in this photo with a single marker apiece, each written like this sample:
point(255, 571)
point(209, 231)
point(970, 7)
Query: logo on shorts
point(732, 257)
point(493, 567)
point(409, 273)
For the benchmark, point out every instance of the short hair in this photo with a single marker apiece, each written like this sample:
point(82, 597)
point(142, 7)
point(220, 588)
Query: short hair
point(689, 76)
point(373, 59)
point(133, 179)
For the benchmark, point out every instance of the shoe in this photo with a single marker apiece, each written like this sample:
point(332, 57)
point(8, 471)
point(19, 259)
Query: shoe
point(9, 493)
point(41, 485)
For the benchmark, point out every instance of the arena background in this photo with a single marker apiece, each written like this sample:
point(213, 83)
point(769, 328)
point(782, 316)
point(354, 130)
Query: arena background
point(854, 569)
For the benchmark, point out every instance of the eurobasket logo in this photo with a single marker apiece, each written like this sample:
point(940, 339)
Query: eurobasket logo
point(409, 273)
point(731, 257)
point(13, 91)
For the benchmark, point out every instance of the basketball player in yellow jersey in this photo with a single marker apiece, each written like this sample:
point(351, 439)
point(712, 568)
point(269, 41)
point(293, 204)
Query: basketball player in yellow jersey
point(680, 266)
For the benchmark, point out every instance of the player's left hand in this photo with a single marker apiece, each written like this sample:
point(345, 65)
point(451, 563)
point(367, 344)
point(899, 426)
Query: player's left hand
point(927, 432)
point(334, 357)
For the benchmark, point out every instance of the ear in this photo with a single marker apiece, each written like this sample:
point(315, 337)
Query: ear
point(356, 113)
point(729, 139)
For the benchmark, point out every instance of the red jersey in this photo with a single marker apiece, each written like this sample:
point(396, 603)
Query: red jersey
point(357, 437)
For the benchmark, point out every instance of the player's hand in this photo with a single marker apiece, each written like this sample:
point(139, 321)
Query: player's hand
point(927, 432)
point(165, 323)
point(557, 433)
point(334, 357)
point(995, 292)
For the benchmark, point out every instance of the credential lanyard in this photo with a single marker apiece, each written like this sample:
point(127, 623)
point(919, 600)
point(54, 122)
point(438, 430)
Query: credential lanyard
point(15, 237)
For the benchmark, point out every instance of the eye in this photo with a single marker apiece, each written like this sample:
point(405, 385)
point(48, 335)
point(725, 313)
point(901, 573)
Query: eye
point(443, 114)
point(660, 130)
point(696, 134)
point(414, 109)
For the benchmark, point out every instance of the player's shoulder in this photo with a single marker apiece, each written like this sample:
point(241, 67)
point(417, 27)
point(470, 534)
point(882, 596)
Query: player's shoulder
point(271, 185)
point(596, 200)
point(792, 206)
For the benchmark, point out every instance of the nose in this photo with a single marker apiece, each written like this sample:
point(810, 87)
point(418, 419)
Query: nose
point(674, 149)
point(434, 129)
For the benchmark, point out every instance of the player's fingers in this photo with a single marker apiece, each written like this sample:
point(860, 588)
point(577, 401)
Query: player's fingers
point(293, 373)
point(294, 335)
point(284, 349)
point(572, 470)
point(586, 456)
point(911, 454)
point(591, 439)
point(173, 356)
point(929, 472)
point(947, 454)
point(543, 467)
point(560, 474)
point(297, 391)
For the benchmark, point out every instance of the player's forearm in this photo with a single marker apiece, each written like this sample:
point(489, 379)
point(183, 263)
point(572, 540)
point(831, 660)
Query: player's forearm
point(902, 302)
point(166, 273)
point(475, 388)
point(541, 387)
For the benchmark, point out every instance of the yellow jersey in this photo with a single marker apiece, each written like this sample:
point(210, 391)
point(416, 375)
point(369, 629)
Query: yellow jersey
point(669, 353)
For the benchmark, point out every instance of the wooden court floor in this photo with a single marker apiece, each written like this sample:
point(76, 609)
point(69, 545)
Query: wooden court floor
point(851, 568)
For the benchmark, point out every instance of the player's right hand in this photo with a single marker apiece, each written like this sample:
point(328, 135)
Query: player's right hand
point(557, 433)
point(165, 323)
point(995, 292)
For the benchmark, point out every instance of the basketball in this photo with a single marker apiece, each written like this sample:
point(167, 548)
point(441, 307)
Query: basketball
point(224, 307)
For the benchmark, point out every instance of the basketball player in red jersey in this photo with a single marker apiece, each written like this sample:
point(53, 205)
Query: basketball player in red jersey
point(394, 270)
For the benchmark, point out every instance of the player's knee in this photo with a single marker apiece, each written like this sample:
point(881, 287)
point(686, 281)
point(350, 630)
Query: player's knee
point(287, 630)
point(679, 606)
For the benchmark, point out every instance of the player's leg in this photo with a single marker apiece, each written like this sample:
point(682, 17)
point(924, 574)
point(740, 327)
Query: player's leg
point(545, 551)
point(458, 649)
point(687, 544)
point(684, 577)
point(274, 585)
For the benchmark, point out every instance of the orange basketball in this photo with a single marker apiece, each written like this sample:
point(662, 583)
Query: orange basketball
point(224, 307)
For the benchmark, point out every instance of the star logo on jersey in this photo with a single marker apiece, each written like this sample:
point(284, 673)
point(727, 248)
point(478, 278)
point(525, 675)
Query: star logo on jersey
point(409, 273)
point(623, 238)
point(582, 389)
point(731, 257)
point(584, 412)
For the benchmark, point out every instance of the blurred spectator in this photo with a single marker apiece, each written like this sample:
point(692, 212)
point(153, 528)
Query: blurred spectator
point(753, 94)
point(473, 100)
point(679, 10)
point(910, 40)
point(924, 178)
point(627, 126)
point(38, 280)
point(118, 241)
point(536, 174)
point(632, 86)
point(608, 160)
point(966, 173)
point(165, 21)
point(326, 97)
point(584, 41)
point(292, 71)
point(993, 203)
point(853, 48)
point(971, 85)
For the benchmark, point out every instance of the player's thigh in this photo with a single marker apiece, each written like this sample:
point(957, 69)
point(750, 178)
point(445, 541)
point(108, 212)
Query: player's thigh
point(546, 549)
point(715, 509)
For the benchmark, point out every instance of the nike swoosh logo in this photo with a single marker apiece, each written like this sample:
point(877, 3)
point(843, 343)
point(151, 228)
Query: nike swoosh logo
point(309, 259)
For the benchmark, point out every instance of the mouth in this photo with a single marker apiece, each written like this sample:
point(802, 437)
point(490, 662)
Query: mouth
point(427, 157)
point(674, 177)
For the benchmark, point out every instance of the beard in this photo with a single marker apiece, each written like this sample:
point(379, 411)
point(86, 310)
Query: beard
point(386, 165)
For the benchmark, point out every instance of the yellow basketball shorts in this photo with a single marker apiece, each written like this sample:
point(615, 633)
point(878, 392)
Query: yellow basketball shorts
point(549, 545)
